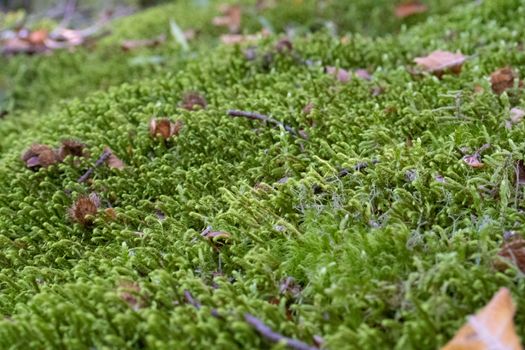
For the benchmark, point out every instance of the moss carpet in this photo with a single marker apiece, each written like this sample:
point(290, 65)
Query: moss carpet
point(370, 233)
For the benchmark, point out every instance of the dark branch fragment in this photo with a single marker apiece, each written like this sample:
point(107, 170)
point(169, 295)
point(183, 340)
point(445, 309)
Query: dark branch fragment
point(105, 155)
point(275, 337)
point(266, 119)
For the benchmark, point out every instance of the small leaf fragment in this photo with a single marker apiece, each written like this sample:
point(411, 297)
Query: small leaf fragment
point(231, 18)
point(340, 74)
point(473, 161)
point(439, 62)
point(113, 161)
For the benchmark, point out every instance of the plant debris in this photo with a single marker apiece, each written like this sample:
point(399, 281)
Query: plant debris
point(101, 160)
point(230, 17)
point(165, 128)
point(491, 328)
point(275, 337)
point(84, 209)
point(503, 79)
point(410, 8)
point(264, 118)
point(72, 148)
point(128, 45)
point(40, 156)
point(130, 294)
point(512, 252)
point(113, 161)
point(340, 74)
point(439, 62)
point(193, 100)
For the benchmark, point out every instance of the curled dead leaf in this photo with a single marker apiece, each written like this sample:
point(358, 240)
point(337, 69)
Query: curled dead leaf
point(502, 79)
point(410, 8)
point(39, 156)
point(439, 62)
point(491, 328)
point(113, 161)
point(217, 238)
point(231, 18)
point(511, 253)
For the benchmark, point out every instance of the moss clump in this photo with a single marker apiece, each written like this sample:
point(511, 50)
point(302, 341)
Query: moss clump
point(393, 255)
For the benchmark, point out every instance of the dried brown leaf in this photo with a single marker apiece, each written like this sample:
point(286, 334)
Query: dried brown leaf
point(512, 252)
point(408, 9)
point(231, 18)
point(113, 161)
point(491, 328)
point(439, 62)
point(502, 79)
point(71, 148)
point(39, 156)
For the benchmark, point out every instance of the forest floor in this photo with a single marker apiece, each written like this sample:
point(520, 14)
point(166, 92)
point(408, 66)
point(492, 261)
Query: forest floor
point(262, 174)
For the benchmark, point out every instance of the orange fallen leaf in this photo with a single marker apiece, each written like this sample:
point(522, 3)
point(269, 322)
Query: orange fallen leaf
point(438, 62)
point(410, 8)
point(491, 328)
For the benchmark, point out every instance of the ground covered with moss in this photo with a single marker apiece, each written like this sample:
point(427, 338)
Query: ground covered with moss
point(364, 227)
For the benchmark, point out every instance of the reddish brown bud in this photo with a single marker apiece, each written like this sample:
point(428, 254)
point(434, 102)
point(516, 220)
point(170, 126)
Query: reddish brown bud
point(71, 148)
point(165, 128)
point(192, 100)
point(84, 209)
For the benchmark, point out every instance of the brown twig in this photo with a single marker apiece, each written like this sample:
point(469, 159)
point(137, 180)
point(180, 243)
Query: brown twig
point(105, 155)
point(195, 303)
point(263, 118)
point(275, 337)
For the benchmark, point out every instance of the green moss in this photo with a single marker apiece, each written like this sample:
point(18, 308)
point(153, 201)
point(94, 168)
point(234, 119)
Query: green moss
point(386, 257)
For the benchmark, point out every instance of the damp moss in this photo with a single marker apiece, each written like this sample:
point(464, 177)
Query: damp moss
point(394, 255)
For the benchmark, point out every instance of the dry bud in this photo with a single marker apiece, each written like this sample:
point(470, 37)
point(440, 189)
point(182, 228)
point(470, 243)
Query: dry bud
point(71, 148)
point(192, 100)
point(164, 128)
point(84, 209)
